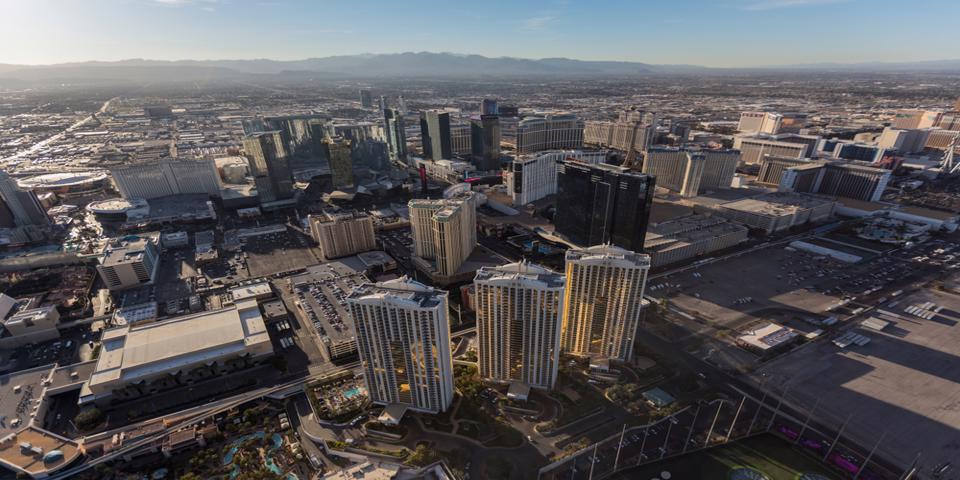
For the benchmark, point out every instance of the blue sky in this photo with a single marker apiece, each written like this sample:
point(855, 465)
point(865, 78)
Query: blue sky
point(702, 32)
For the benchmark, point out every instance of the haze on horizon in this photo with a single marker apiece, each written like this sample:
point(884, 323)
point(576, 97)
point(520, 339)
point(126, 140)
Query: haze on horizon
point(714, 33)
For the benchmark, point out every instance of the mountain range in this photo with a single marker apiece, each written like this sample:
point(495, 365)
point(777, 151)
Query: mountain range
point(409, 64)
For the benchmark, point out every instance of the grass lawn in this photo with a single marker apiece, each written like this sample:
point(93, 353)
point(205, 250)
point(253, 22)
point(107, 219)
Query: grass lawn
point(769, 455)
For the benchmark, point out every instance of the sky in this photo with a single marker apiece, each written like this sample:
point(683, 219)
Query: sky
point(717, 33)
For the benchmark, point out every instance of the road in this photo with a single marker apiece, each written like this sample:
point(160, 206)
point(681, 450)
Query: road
point(43, 143)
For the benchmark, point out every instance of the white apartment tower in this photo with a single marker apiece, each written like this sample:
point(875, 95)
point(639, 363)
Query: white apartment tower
point(760, 122)
point(444, 231)
point(519, 311)
point(677, 170)
point(403, 338)
point(343, 234)
point(532, 177)
point(602, 301)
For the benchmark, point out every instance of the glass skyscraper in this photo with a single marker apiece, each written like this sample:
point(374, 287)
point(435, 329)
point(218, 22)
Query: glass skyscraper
point(598, 204)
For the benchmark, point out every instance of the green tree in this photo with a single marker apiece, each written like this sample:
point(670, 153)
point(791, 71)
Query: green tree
point(88, 419)
point(422, 456)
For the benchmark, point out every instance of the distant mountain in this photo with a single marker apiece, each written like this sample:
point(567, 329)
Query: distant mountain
point(409, 64)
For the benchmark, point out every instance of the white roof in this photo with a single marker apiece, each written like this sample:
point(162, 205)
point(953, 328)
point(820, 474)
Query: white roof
point(134, 352)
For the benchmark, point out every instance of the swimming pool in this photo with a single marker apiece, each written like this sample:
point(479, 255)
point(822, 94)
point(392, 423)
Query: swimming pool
point(353, 392)
point(270, 464)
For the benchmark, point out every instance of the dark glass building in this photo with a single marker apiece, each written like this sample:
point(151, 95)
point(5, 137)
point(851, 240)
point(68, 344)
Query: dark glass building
point(485, 142)
point(302, 137)
point(599, 204)
point(269, 166)
point(488, 106)
point(435, 134)
point(366, 98)
point(396, 135)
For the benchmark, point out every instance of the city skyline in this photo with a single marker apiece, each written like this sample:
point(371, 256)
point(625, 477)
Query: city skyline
point(48, 33)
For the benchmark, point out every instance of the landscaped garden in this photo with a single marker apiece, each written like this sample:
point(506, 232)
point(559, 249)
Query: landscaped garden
point(338, 401)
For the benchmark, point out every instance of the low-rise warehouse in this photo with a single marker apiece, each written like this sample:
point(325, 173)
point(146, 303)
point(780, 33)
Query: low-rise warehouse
point(691, 236)
point(777, 211)
point(136, 360)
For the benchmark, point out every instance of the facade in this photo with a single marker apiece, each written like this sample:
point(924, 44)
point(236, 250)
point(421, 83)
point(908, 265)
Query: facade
point(449, 171)
point(719, 168)
point(396, 134)
point(129, 262)
point(24, 323)
point(519, 311)
point(857, 180)
point(941, 139)
point(772, 168)
point(366, 98)
point(19, 207)
point(774, 212)
point(753, 149)
point(167, 177)
point(760, 122)
point(461, 139)
point(340, 235)
point(444, 232)
point(403, 337)
point(435, 135)
point(269, 166)
point(904, 141)
point(622, 136)
point(600, 204)
point(908, 119)
point(552, 132)
point(853, 180)
point(950, 121)
point(302, 136)
point(488, 106)
point(485, 142)
point(848, 150)
point(677, 170)
point(689, 237)
point(341, 162)
point(532, 177)
point(603, 301)
point(814, 143)
point(690, 172)
point(143, 359)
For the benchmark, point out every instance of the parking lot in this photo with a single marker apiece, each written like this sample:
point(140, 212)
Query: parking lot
point(778, 279)
point(278, 252)
point(323, 303)
point(906, 375)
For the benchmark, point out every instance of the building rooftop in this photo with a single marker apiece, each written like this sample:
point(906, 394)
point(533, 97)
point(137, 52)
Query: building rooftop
point(253, 290)
point(768, 336)
point(607, 254)
point(127, 249)
point(777, 203)
point(36, 452)
point(401, 290)
point(133, 352)
point(528, 273)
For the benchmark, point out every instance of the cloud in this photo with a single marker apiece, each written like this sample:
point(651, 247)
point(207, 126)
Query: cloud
point(538, 23)
point(760, 5)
